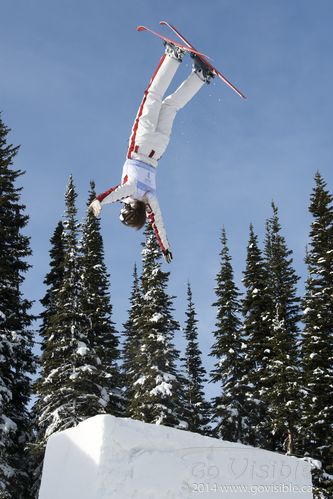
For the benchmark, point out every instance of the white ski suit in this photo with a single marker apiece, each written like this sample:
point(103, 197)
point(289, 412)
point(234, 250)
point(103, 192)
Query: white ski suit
point(149, 139)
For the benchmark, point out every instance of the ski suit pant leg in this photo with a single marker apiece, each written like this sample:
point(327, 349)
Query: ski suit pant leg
point(172, 104)
point(144, 143)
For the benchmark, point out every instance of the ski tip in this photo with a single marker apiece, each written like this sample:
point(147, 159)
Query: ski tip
point(140, 28)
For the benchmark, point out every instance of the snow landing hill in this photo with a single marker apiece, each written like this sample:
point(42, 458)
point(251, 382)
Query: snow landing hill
point(106, 457)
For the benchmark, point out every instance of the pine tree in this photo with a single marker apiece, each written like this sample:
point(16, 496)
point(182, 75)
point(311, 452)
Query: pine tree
point(66, 386)
point(196, 409)
point(229, 409)
point(102, 338)
point(131, 333)
point(317, 336)
point(53, 281)
point(16, 358)
point(156, 386)
point(54, 278)
point(257, 326)
point(280, 386)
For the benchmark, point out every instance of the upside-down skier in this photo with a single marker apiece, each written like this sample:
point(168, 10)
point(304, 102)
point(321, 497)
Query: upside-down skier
point(148, 141)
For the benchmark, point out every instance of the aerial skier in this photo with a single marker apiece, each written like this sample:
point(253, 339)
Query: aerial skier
point(148, 142)
point(151, 134)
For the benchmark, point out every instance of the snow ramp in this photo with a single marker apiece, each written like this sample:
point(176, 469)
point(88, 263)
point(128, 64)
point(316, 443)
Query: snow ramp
point(106, 457)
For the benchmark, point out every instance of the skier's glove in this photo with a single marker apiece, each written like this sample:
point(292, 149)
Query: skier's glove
point(95, 207)
point(167, 256)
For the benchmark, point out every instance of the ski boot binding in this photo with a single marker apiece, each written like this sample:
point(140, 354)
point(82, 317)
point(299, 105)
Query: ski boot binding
point(174, 51)
point(201, 69)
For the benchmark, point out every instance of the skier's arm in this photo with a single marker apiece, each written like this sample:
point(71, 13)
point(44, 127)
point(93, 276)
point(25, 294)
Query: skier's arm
point(155, 218)
point(112, 195)
point(116, 193)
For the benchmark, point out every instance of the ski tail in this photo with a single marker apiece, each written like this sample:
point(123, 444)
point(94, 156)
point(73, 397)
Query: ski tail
point(185, 47)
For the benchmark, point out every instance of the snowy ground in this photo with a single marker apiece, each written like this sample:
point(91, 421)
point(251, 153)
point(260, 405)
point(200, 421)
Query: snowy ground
point(106, 457)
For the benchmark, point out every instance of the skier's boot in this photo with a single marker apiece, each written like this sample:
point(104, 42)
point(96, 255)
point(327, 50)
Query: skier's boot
point(174, 51)
point(201, 69)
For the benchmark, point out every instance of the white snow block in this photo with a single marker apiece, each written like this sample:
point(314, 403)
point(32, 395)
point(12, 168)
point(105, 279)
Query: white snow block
point(115, 458)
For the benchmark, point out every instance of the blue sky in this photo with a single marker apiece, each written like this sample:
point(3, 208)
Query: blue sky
point(72, 78)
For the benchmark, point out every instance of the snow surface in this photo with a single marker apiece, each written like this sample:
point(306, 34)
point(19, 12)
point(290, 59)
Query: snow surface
point(106, 457)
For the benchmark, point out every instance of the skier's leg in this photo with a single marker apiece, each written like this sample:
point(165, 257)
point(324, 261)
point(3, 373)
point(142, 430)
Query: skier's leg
point(148, 115)
point(200, 75)
point(152, 101)
point(172, 104)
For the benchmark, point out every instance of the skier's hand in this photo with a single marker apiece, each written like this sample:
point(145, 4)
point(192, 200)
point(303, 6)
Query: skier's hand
point(95, 207)
point(167, 256)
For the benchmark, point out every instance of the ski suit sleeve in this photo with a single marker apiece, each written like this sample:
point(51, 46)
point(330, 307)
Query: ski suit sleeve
point(116, 193)
point(154, 216)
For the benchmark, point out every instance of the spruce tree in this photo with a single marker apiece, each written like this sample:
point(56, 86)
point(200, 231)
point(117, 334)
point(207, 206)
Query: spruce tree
point(229, 408)
point(131, 333)
point(101, 338)
point(196, 409)
point(317, 337)
point(156, 386)
point(53, 282)
point(54, 277)
point(16, 358)
point(256, 307)
point(280, 384)
point(66, 387)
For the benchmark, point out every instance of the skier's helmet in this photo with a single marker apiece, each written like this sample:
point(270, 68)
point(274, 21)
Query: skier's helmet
point(133, 214)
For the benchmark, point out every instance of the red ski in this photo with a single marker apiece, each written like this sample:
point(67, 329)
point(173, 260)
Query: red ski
point(186, 47)
point(204, 59)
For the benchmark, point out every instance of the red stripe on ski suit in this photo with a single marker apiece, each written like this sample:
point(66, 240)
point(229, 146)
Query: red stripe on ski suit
point(136, 123)
point(151, 218)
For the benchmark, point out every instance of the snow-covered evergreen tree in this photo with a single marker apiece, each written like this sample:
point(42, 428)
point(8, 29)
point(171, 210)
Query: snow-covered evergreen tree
point(229, 408)
point(54, 277)
point(257, 326)
point(53, 281)
point(156, 385)
point(317, 338)
point(196, 408)
point(101, 339)
point(280, 390)
point(66, 387)
point(131, 333)
point(16, 358)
